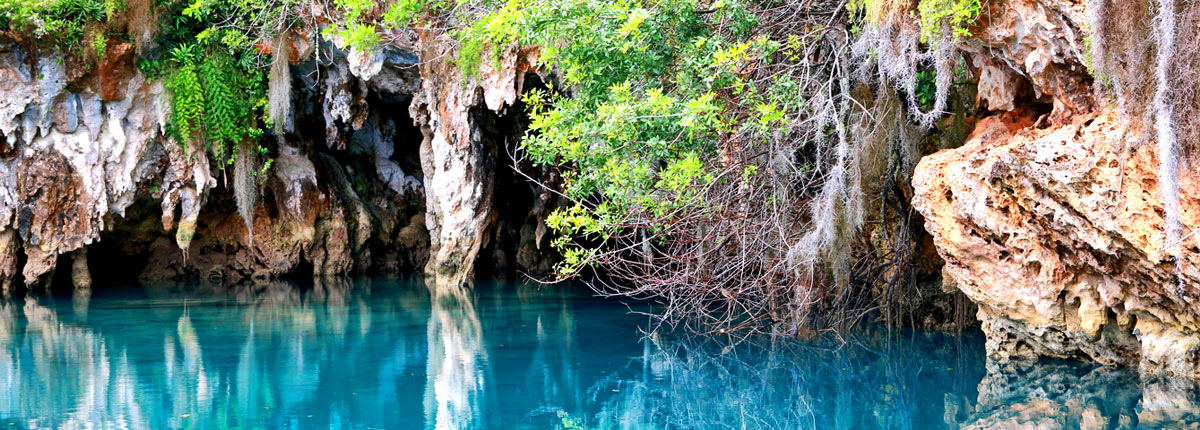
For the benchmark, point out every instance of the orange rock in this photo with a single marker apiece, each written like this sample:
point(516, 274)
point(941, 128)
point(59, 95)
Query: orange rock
point(116, 68)
point(1057, 234)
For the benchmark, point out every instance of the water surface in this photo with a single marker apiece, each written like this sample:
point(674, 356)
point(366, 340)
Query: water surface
point(387, 355)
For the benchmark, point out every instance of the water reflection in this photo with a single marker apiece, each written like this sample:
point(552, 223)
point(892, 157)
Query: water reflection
point(456, 364)
point(363, 354)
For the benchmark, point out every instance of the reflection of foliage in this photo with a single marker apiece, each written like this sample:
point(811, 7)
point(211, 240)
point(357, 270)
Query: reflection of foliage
point(269, 353)
point(873, 382)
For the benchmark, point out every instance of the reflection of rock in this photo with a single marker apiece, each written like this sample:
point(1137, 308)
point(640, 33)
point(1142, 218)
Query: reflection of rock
point(454, 375)
point(1053, 396)
point(80, 299)
point(1170, 403)
point(1068, 396)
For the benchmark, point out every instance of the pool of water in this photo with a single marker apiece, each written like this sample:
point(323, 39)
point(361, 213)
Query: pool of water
point(386, 355)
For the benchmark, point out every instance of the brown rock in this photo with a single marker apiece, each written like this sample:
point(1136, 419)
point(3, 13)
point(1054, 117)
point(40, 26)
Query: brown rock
point(81, 277)
point(8, 260)
point(116, 68)
point(53, 214)
point(1036, 45)
point(1058, 235)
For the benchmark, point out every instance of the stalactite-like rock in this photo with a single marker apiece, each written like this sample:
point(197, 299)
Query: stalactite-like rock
point(459, 171)
point(80, 157)
point(81, 275)
point(8, 261)
point(83, 157)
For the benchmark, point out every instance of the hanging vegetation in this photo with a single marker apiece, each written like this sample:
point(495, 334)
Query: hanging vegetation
point(723, 157)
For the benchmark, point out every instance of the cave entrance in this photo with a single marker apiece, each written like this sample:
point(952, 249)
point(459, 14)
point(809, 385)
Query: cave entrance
point(513, 245)
point(123, 252)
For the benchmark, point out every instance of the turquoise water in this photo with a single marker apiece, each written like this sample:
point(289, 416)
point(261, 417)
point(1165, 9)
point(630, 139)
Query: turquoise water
point(385, 355)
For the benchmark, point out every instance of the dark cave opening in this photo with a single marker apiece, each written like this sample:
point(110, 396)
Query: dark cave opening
point(123, 251)
point(512, 246)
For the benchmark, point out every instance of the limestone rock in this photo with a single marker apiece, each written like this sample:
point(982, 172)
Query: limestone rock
point(80, 158)
point(1057, 234)
point(83, 157)
point(115, 70)
point(1033, 46)
point(459, 170)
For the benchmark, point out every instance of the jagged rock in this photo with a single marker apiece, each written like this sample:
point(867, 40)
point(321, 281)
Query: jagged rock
point(115, 71)
point(343, 100)
point(1037, 46)
point(1057, 234)
point(83, 156)
point(459, 172)
point(8, 260)
point(79, 160)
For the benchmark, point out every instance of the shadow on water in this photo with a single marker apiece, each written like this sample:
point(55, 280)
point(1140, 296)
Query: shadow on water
point(394, 354)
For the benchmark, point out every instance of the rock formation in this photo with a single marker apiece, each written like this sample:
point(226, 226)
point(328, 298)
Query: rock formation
point(1058, 235)
point(386, 169)
point(1053, 222)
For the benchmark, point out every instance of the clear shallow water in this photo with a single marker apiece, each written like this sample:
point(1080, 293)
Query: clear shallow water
point(386, 355)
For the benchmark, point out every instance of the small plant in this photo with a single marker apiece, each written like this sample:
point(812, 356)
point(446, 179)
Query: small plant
point(926, 88)
point(99, 44)
point(957, 15)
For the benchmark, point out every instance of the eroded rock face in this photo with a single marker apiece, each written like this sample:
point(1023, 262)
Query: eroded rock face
point(76, 160)
point(459, 169)
point(1057, 234)
point(1032, 49)
point(395, 177)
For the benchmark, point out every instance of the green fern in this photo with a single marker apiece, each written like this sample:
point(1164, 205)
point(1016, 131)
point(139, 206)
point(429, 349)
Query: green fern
point(187, 96)
point(212, 101)
point(220, 107)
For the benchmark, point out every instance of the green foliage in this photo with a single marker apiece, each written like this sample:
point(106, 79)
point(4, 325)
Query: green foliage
point(487, 36)
point(215, 102)
point(111, 7)
point(64, 22)
point(215, 73)
point(359, 30)
point(99, 44)
point(926, 88)
point(644, 117)
point(217, 89)
point(957, 15)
